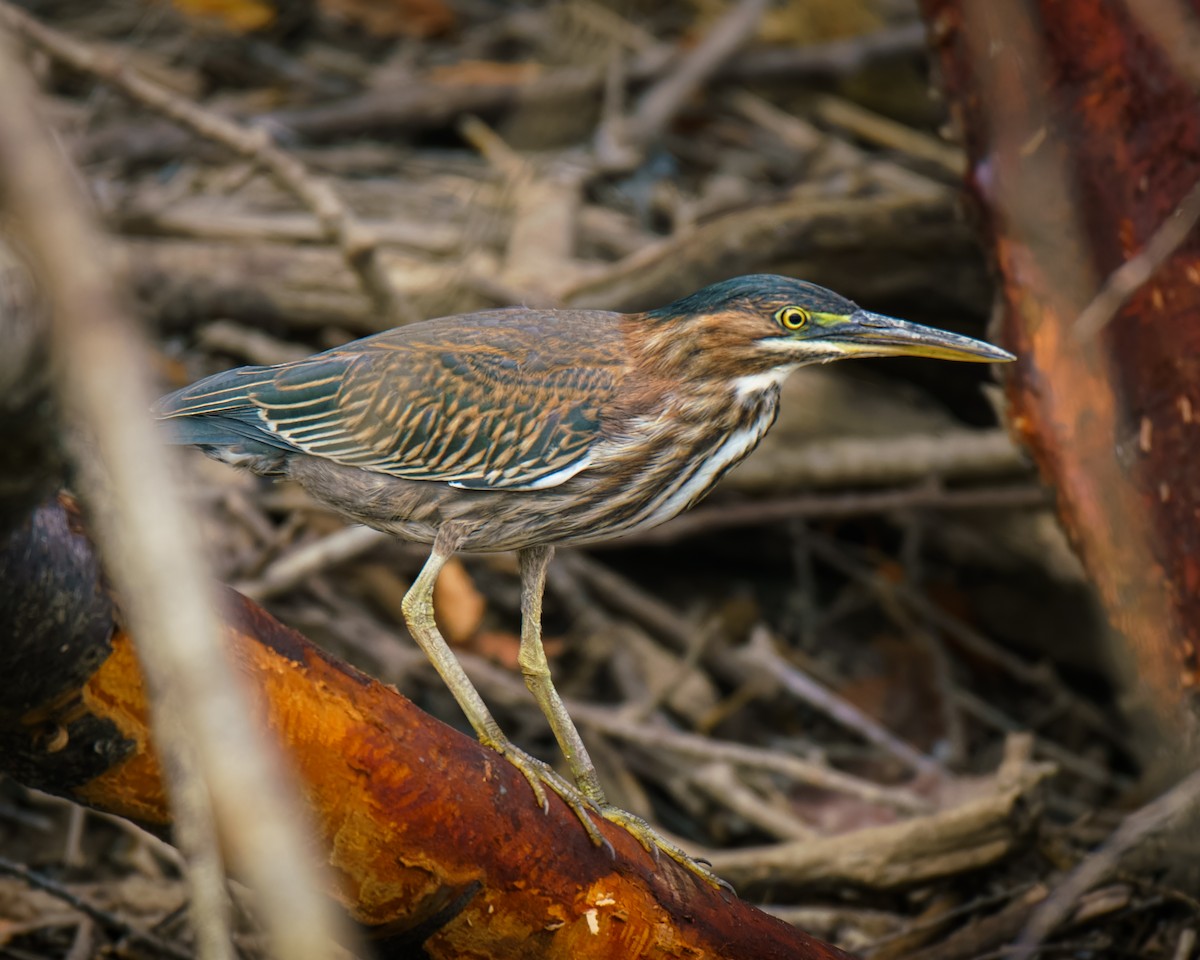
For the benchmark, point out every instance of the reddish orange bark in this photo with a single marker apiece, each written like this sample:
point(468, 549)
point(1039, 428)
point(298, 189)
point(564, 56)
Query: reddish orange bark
point(431, 838)
point(1082, 140)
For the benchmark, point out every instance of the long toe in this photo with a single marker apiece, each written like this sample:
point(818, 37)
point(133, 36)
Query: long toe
point(542, 776)
point(655, 843)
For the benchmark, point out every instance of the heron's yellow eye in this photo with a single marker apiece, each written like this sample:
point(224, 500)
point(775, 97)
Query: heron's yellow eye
point(792, 318)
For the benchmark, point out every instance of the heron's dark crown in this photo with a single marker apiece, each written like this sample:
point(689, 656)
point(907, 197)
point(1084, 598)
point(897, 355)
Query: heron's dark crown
point(756, 292)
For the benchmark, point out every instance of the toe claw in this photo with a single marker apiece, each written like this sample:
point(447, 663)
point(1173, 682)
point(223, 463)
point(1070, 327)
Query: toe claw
point(542, 778)
point(657, 845)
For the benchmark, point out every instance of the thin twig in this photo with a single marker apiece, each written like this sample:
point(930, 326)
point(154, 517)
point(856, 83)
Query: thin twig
point(837, 505)
point(358, 246)
point(1123, 282)
point(296, 566)
point(621, 144)
point(720, 782)
point(1040, 676)
point(1186, 945)
point(763, 656)
point(972, 834)
point(706, 749)
point(202, 718)
point(649, 736)
point(950, 454)
point(1160, 813)
point(109, 921)
point(1070, 760)
point(871, 126)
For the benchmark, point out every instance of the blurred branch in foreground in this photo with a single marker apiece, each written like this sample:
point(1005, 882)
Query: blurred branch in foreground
point(213, 755)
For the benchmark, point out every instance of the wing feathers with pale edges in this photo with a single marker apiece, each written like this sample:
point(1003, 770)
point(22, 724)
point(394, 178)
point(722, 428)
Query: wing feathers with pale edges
point(503, 399)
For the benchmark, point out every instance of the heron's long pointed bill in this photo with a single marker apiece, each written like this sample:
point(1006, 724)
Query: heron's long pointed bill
point(866, 334)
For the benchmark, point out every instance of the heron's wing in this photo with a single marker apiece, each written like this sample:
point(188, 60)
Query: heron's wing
point(504, 399)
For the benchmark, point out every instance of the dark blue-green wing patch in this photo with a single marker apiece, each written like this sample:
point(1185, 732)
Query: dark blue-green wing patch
point(505, 407)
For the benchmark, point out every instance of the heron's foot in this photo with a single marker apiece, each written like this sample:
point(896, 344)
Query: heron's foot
point(542, 776)
point(654, 842)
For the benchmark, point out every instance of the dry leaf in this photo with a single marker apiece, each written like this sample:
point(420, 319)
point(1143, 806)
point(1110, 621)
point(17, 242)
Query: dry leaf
point(470, 73)
point(498, 646)
point(801, 21)
point(501, 647)
point(238, 16)
point(393, 18)
point(457, 604)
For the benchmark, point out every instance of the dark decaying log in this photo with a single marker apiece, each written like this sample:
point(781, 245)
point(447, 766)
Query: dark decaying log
point(432, 840)
point(1082, 141)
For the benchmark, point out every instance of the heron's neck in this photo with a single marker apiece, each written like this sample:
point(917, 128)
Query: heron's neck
point(751, 387)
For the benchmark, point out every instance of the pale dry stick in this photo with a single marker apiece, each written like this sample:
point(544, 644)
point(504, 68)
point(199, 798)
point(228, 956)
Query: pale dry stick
point(1186, 945)
point(297, 565)
point(609, 25)
point(201, 715)
point(1069, 760)
point(682, 670)
point(83, 944)
point(37, 192)
point(1031, 892)
point(491, 146)
point(975, 833)
point(794, 63)
point(623, 594)
point(223, 223)
point(72, 855)
point(248, 343)
point(959, 453)
point(546, 204)
point(423, 105)
point(977, 938)
point(761, 655)
point(1180, 801)
point(621, 142)
point(161, 849)
point(830, 154)
point(106, 919)
point(814, 233)
point(1123, 282)
point(648, 736)
point(720, 782)
point(671, 680)
point(835, 505)
point(868, 125)
point(156, 845)
point(502, 686)
point(358, 246)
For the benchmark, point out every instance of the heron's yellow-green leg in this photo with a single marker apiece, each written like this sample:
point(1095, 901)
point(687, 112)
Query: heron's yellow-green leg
point(418, 614)
point(535, 669)
point(532, 659)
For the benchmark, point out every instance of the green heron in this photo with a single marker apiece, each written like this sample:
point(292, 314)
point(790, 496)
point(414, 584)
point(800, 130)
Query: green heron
point(519, 429)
